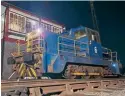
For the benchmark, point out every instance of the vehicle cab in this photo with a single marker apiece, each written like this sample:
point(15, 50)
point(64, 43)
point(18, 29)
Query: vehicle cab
point(90, 37)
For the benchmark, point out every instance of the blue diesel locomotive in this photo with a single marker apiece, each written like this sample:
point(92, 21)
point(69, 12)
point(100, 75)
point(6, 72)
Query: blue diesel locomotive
point(33, 46)
point(76, 53)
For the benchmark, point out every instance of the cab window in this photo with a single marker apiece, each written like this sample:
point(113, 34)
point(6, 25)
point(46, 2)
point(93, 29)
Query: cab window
point(79, 34)
point(93, 35)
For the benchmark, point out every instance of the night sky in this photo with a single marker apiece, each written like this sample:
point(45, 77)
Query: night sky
point(110, 15)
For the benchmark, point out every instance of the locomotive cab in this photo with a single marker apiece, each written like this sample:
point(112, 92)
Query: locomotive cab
point(91, 37)
point(95, 48)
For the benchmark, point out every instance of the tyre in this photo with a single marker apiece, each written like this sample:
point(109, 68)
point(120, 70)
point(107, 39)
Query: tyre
point(10, 60)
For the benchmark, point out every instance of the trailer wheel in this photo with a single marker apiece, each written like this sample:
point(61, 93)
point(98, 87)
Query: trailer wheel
point(10, 60)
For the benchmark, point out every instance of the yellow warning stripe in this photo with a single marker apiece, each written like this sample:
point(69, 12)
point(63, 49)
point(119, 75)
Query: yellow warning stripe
point(85, 73)
point(33, 71)
point(21, 66)
point(29, 73)
point(22, 73)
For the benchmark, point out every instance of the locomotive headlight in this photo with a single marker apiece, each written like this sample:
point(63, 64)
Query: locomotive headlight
point(113, 65)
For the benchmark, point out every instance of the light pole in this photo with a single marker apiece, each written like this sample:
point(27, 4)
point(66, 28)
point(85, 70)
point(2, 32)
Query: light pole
point(3, 44)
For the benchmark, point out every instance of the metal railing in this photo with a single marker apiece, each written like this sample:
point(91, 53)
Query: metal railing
point(72, 46)
point(36, 44)
point(111, 55)
point(106, 50)
point(114, 56)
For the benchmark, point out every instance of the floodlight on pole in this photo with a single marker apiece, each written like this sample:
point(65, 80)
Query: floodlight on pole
point(39, 30)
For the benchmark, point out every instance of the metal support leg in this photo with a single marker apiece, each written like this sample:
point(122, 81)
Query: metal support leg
point(12, 75)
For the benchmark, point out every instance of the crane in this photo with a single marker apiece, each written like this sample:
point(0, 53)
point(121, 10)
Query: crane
point(94, 18)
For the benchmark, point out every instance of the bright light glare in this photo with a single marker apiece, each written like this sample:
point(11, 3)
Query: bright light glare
point(33, 22)
point(39, 30)
point(28, 34)
point(114, 65)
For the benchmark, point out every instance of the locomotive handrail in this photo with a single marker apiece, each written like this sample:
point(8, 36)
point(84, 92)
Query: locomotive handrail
point(66, 51)
point(66, 44)
point(109, 51)
point(115, 56)
point(73, 40)
point(65, 37)
point(75, 44)
point(81, 42)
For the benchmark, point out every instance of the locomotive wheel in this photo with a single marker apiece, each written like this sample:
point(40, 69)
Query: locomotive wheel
point(68, 75)
point(97, 77)
point(87, 77)
point(68, 72)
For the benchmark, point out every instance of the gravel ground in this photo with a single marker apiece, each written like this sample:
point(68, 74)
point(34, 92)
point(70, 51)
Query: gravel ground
point(101, 92)
point(105, 92)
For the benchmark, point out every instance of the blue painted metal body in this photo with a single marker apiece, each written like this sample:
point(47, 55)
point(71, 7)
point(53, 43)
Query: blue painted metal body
point(114, 66)
point(58, 50)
